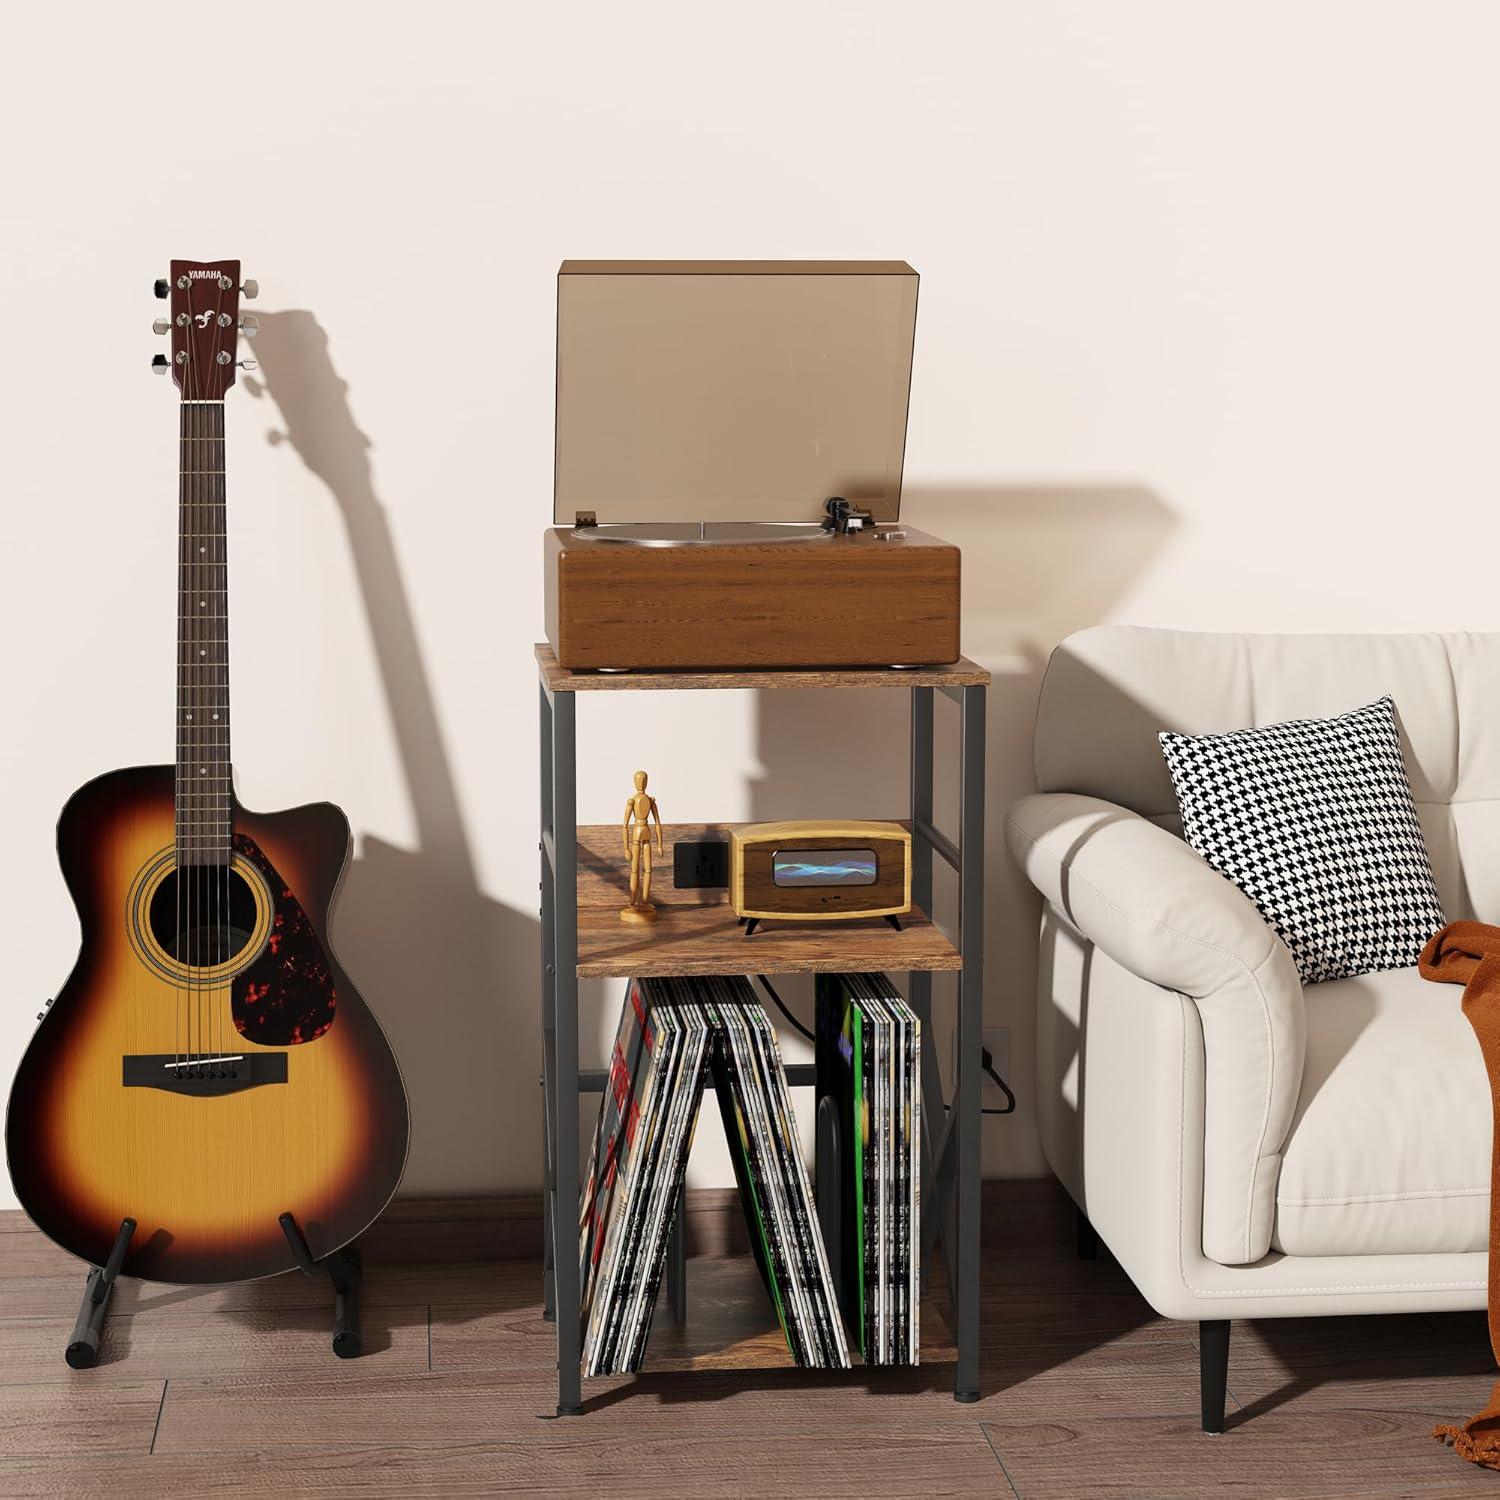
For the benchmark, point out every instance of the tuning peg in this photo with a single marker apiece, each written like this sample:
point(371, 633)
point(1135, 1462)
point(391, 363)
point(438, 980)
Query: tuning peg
point(247, 364)
point(249, 325)
point(161, 325)
point(158, 364)
point(250, 289)
point(162, 288)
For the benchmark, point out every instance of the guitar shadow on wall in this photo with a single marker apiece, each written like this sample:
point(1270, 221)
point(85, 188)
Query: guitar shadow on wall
point(427, 947)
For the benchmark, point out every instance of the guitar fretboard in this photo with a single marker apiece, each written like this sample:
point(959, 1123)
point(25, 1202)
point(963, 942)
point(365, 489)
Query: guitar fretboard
point(205, 830)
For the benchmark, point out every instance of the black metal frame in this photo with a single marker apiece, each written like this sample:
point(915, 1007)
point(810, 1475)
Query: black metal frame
point(951, 1131)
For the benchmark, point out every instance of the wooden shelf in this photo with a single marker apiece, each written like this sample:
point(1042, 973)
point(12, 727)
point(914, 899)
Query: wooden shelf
point(962, 673)
point(696, 932)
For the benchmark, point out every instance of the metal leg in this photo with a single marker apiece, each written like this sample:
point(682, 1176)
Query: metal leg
point(970, 1029)
point(564, 1092)
point(920, 982)
point(549, 1309)
point(549, 1005)
point(1213, 1372)
point(921, 799)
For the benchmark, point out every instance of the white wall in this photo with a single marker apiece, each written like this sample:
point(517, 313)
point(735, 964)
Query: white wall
point(1207, 337)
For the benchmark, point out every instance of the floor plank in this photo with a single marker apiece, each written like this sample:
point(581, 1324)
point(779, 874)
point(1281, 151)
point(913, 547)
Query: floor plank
point(442, 1407)
point(1290, 1454)
point(56, 1419)
point(146, 1346)
point(495, 1284)
point(568, 1462)
point(1384, 1362)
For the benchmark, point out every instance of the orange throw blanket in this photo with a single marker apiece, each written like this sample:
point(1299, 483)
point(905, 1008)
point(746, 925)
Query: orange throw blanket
point(1468, 953)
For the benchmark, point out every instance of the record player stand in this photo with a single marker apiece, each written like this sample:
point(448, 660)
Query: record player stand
point(951, 1131)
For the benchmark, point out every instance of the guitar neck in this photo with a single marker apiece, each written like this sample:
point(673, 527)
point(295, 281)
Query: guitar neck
point(205, 830)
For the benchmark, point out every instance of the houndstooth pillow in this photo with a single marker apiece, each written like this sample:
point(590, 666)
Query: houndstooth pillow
point(1314, 821)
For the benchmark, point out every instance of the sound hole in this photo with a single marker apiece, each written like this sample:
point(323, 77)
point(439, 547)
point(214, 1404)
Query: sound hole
point(203, 915)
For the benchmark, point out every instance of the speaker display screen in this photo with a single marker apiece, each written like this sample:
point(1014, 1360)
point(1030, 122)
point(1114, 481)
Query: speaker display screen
point(803, 868)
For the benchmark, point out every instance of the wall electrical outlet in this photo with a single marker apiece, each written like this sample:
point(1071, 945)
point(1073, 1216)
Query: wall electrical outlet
point(997, 1042)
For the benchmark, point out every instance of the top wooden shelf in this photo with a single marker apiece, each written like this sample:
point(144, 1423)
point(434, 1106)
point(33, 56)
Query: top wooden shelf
point(962, 673)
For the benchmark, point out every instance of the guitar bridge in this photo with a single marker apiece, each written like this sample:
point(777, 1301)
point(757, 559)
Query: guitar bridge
point(226, 1073)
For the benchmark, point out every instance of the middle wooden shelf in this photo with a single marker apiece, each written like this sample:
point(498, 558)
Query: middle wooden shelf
point(696, 932)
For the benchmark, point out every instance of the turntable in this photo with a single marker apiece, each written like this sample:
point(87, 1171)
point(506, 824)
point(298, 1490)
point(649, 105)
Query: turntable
point(730, 440)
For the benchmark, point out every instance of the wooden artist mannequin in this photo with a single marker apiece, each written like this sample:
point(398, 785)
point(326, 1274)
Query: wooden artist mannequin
point(640, 808)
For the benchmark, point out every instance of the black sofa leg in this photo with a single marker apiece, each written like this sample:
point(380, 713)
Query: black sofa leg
point(1213, 1371)
point(1088, 1238)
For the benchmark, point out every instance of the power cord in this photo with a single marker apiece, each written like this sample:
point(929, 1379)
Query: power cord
point(766, 985)
point(988, 1064)
point(986, 1061)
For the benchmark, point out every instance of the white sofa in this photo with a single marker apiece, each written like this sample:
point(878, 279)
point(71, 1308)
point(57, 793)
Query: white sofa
point(1245, 1147)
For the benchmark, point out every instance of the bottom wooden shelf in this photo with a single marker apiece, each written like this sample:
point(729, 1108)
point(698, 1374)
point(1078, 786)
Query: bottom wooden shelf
point(731, 1324)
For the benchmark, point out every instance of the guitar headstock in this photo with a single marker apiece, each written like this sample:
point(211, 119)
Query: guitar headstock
point(204, 324)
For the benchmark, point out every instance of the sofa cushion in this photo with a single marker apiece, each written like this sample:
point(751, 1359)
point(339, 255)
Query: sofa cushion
point(1313, 820)
point(1110, 689)
point(1389, 1150)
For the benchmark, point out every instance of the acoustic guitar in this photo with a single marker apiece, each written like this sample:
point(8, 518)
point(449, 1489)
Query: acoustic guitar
point(208, 1067)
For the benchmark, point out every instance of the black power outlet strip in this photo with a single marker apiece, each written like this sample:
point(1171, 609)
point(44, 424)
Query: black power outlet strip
point(701, 866)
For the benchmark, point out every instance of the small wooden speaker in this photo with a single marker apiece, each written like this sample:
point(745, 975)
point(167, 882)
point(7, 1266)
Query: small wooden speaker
point(819, 872)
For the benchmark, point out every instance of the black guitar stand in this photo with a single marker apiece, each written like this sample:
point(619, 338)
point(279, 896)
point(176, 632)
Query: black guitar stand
point(83, 1348)
point(344, 1269)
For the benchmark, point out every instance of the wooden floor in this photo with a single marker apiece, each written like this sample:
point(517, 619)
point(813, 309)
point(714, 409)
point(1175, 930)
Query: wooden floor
point(233, 1390)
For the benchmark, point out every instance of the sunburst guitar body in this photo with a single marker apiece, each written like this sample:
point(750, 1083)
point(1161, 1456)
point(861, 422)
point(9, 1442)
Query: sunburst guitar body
point(208, 1067)
point(203, 1099)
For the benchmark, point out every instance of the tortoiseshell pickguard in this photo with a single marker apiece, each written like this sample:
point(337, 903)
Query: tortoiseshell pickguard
point(287, 995)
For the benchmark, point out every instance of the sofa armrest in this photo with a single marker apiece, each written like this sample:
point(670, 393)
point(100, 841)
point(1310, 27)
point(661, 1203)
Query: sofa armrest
point(1151, 903)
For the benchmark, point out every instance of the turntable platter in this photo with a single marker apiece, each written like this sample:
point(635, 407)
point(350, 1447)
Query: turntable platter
point(701, 533)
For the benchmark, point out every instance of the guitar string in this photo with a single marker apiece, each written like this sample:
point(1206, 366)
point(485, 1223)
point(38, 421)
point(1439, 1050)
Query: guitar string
point(219, 636)
point(223, 1016)
point(189, 634)
point(185, 638)
point(224, 737)
point(179, 995)
point(200, 925)
point(217, 862)
point(197, 655)
point(224, 856)
point(207, 807)
point(185, 635)
point(208, 522)
point(185, 632)
point(196, 919)
point(210, 855)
